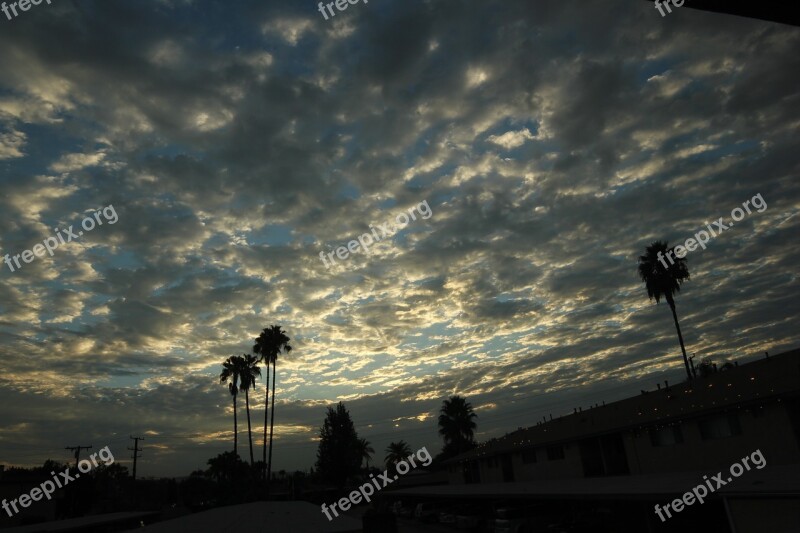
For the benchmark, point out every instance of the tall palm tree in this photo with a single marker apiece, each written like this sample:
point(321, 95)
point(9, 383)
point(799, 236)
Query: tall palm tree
point(231, 374)
point(396, 452)
point(269, 344)
point(248, 374)
point(365, 450)
point(262, 349)
point(662, 273)
point(457, 425)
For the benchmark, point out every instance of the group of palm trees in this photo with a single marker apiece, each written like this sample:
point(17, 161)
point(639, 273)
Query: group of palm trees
point(456, 427)
point(395, 452)
point(240, 372)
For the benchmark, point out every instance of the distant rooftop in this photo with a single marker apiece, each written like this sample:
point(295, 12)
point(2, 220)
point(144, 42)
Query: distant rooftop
point(749, 383)
point(296, 517)
point(93, 523)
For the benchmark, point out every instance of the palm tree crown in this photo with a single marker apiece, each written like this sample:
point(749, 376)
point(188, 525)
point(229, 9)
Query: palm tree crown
point(456, 422)
point(662, 281)
point(396, 452)
point(365, 450)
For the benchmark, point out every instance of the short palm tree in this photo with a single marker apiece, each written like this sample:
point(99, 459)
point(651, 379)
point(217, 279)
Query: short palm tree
point(365, 450)
point(662, 273)
point(269, 344)
point(231, 369)
point(248, 374)
point(457, 425)
point(396, 452)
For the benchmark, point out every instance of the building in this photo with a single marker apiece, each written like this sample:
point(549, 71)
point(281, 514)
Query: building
point(621, 459)
point(708, 423)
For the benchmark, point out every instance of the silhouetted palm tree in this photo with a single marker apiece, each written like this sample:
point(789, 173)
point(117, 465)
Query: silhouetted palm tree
point(269, 345)
point(365, 450)
point(396, 452)
point(231, 374)
point(248, 374)
point(662, 273)
point(457, 425)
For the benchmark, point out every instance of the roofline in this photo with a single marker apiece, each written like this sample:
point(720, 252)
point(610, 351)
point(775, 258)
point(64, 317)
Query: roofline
point(471, 455)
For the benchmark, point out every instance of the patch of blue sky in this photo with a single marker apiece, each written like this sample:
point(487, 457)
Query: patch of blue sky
point(656, 67)
point(339, 318)
point(133, 379)
point(424, 338)
point(388, 203)
point(427, 180)
point(348, 191)
point(508, 124)
point(172, 151)
point(272, 235)
point(44, 145)
point(121, 259)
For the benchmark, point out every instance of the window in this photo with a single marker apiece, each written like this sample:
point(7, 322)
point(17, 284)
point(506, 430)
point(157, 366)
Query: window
point(604, 456)
point(720, 427)
point(666, 436)
point(529, 456)
point(554, 453)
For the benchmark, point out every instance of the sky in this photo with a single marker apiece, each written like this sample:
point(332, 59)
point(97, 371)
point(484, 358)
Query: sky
point(551, 140)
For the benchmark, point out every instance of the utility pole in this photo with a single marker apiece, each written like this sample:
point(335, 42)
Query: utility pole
point(77, 450)
point(135, 451)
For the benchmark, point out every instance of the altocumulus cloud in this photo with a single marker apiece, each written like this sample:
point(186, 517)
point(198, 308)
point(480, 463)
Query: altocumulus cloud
point(553, 139)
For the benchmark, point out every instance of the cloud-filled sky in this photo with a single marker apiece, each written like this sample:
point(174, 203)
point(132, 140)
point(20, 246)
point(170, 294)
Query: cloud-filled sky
point(553, 140)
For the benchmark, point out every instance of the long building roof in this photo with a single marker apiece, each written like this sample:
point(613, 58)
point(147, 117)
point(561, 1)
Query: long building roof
point(748, 384)
point(778, 481)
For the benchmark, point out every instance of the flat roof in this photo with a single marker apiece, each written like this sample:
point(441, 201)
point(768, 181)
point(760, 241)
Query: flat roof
point(297, 517)
point(747, 384)
point(79, 524)
point(774, 481)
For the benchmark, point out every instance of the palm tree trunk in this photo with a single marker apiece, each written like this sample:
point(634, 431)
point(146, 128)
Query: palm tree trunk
point(249, 429)
point(266, 419)
point(271, 425)
point(235, 430)
point(671, 303)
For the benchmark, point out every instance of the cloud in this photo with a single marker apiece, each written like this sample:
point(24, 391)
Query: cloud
point(236, 144)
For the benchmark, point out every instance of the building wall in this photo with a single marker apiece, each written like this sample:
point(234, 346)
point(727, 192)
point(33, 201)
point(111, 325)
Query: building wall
point(568, 467)
point(751, 515)
point(768, 431)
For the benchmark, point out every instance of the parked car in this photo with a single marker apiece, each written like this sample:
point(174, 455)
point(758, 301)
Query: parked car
point(471, 518)
point(535, 519)
point(399, 510)
point(591, 521)
point(425, 512)
point(448, 515)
